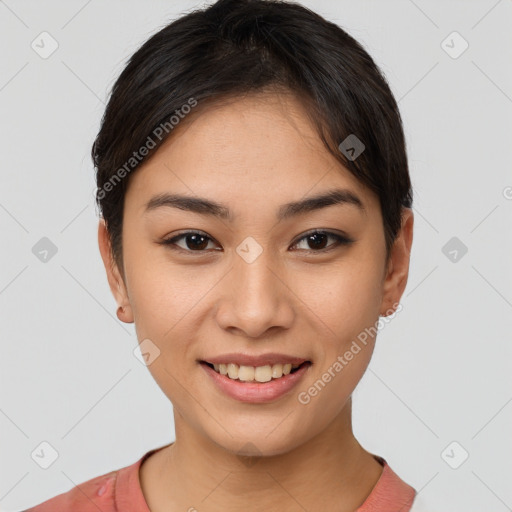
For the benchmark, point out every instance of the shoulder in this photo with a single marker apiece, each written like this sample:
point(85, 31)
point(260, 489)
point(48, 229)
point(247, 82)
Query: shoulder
point(90, 496)
point(391, 493)
point(117, 490)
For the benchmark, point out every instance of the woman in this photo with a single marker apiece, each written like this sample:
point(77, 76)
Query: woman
point(256, 221)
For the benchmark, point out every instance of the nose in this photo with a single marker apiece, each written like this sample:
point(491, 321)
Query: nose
point(256, 299)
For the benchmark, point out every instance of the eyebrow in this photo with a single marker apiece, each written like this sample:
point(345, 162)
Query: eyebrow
point(208, 207)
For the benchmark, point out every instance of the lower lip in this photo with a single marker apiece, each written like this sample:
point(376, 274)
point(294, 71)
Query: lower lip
point(256, 392)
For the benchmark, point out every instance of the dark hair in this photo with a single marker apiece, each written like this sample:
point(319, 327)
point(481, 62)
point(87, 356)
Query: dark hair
point(235, 47)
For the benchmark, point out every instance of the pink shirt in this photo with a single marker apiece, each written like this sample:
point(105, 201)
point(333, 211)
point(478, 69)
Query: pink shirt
point(120, 491)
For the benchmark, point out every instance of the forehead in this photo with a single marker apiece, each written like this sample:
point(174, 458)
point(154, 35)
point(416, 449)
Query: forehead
point(256, 127)
point(251, 147)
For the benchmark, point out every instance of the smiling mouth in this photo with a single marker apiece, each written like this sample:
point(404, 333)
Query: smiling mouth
point(264, 373)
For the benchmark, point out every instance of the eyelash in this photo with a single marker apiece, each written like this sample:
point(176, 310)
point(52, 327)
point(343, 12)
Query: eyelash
point(340, 241)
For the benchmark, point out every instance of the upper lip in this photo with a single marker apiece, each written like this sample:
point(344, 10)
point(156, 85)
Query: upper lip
point(259, 360)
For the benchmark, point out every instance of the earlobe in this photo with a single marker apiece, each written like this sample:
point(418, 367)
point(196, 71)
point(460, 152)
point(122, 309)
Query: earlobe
point(124, 313)
point(398, 267)
point(115, 280)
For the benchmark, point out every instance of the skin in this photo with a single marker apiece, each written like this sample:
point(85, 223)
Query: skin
point(254, 154)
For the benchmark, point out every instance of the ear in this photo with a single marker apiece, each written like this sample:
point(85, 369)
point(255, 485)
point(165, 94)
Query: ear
point(115, 280)
point(397, 272)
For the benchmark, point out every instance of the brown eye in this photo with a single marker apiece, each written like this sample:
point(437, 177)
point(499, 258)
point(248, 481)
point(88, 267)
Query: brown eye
point(317, 241)
point(196, 242)
point(192, 241)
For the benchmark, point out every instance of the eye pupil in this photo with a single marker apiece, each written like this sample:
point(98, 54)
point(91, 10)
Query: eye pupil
point(195, 238)
point(317, 241)
point(312, 237)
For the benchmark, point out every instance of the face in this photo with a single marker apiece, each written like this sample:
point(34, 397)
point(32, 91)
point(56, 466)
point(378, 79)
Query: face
point(248, 276)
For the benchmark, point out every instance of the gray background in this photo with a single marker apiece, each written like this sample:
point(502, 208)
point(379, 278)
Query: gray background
point(441, 371)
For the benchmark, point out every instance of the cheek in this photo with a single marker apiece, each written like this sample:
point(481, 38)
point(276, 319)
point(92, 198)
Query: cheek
point(346, 297)
point(164, 299)
point(162, 294)
point(346, 308)
point(162, 306)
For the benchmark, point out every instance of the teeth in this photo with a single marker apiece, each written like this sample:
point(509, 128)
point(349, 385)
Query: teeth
point(263, 373)
point(233, 371)
point(246, 373)
point(254, 374)
point(277, 371)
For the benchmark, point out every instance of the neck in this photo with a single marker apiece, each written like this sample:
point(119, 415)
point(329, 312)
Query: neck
point(329, 468)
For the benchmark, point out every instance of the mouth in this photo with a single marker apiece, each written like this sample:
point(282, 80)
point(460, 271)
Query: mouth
point(271, 380)
point(257, 374)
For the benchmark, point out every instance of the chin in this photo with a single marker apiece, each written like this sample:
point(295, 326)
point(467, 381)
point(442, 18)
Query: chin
point(259, 444)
